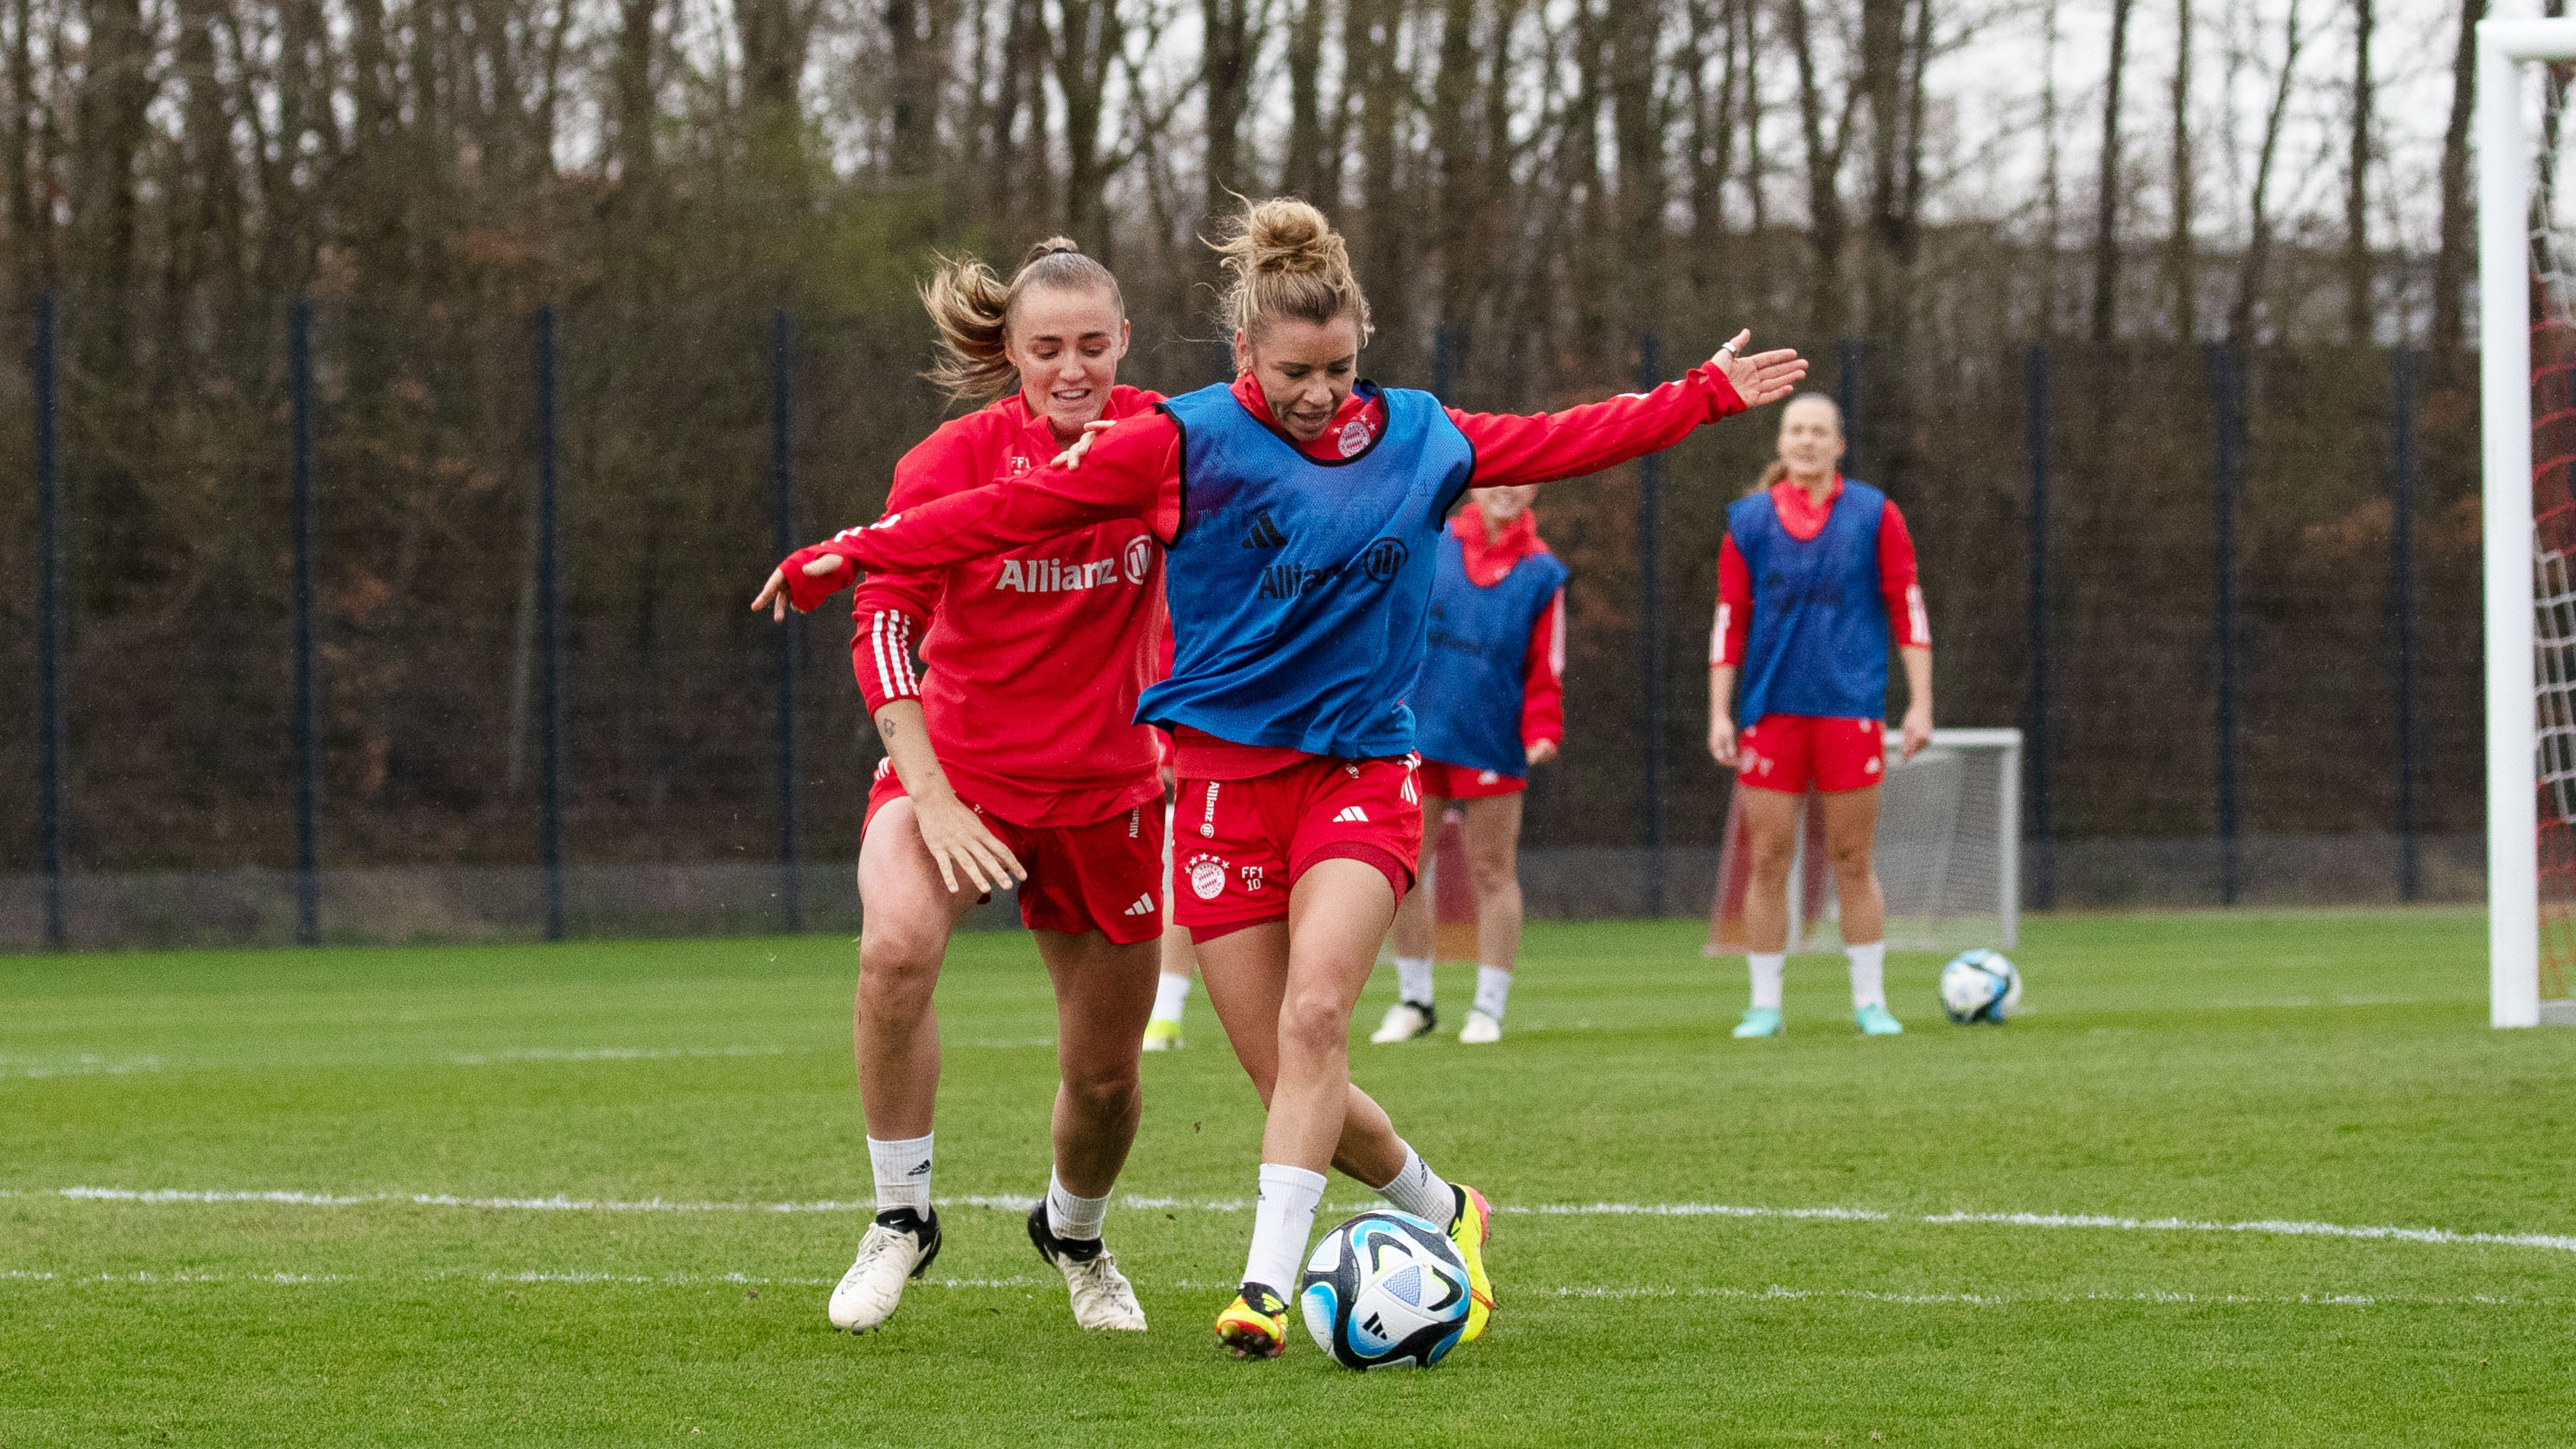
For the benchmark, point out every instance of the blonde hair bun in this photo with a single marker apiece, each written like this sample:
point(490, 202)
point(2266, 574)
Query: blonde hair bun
point(1285, 260)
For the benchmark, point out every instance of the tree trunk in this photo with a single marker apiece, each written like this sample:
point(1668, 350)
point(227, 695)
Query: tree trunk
point(1385, 251)
point(1225, 77)
point(1882, 84)
point(2258, 243)
point(2359, 321)
point(1086, 46)
point(1310, 166)
point(1461, 224)
point(2182, 258)
point(1827, 226)
point(2457, 256)
point(1637, 128)
point(2106, 227)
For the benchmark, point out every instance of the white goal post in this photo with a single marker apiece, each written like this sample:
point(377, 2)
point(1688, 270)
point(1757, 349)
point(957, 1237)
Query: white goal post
point(1947, 850)
point(2512, 550)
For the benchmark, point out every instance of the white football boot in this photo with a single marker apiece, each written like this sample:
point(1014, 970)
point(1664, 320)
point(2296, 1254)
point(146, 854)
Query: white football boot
point(898, 1248)
point(1480, 1028)
point(1405, 1021)
point(1102, 1296)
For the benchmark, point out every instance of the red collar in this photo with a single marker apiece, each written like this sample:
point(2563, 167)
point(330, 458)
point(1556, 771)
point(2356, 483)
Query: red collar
point(1489, 564)
point(1353, 428)
point(1804, 520)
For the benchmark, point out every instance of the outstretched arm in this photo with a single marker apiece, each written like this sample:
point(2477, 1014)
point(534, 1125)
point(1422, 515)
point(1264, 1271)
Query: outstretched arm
point(1544, 447)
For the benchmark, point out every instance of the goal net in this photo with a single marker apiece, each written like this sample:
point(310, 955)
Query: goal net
point(2527, 346)
point(1948, 853)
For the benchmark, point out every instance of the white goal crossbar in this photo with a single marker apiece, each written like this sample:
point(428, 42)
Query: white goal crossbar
point(2505, 384)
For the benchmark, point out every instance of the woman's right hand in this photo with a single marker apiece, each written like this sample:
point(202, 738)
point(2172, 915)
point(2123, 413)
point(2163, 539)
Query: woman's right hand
point(1721, 740)
point(959, 844)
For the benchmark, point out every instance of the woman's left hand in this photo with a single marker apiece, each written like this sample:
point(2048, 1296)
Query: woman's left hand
point(1764, 377)
point(1541, 751)
point(1917, 730)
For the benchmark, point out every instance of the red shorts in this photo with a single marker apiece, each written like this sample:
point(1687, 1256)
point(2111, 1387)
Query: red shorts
point(1106, 876)
point(1238, 846)
point(1465, 782)
point(1789, 752)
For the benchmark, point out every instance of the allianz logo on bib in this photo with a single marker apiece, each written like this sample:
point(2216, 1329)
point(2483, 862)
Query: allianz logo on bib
point(1382, 560)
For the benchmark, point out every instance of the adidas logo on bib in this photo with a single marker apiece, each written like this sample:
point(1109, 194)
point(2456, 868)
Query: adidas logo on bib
point(1351, 813)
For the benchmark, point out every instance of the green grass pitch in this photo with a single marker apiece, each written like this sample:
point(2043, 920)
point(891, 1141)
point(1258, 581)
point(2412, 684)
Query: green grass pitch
point(2177, 1078)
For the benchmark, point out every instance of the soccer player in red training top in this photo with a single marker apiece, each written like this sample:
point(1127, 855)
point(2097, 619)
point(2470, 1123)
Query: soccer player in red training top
point(1302, 510)
point(1489, 705)
point(1814, 581)
point(1012, 756)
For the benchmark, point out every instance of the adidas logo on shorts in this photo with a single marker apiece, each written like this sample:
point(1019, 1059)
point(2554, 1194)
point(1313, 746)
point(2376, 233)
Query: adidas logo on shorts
point(1351, 813)
point(1144, 906)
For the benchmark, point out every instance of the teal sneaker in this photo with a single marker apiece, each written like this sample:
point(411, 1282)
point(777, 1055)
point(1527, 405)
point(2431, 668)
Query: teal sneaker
point(1874, 1021)
point(1759, 1021)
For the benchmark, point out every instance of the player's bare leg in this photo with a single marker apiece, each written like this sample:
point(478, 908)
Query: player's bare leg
point(1284, 992)
point(1851, 824)
point(1103, 993)
point(1417, 940)
point(1493, 842)
point(895, 1035)
point(1771, 847)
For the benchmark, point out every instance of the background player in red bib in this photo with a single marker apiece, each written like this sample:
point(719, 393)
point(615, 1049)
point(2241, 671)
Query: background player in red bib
point(1302, 509)
point(1490, 704)
point(1814, 581)
point(1012, 756)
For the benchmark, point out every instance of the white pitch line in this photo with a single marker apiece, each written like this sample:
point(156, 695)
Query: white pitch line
point(2270, 1227)
point(1773, 1293)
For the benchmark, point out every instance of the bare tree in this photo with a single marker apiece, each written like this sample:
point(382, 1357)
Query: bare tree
point(2358, 311)
point(2106, 223)
point(1827, 223)
point(2456, 253)
point(2182, 254)
point(2258, 244)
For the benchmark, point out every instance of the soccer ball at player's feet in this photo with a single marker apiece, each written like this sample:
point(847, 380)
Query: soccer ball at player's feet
point(1385, 1290)
point(1980, 986)
point(1405, 1021)
point(1874, 1020)
point(899, 1247)
point(1759, 1021)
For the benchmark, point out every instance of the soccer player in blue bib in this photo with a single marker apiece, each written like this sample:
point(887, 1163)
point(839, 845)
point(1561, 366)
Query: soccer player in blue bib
point(1489, 705)
point(1303, 511)
point(1815, 581)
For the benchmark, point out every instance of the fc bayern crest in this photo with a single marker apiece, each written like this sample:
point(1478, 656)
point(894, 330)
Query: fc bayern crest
point(1207, 877)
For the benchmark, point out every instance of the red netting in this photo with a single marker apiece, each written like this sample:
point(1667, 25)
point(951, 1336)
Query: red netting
point(2553, 502)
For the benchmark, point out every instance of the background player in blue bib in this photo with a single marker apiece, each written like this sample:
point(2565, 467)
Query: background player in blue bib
point(1814, 583)
point(1489, 704)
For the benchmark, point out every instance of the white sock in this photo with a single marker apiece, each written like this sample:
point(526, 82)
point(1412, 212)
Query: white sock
point(1069, 1216)
point(1170, 996)
point(1413, 979)
point(1767, 968)
point(903, 1172)
point(1868, 973)
point(1419, 1191)
point(1281, 1222)
point(1493, 988)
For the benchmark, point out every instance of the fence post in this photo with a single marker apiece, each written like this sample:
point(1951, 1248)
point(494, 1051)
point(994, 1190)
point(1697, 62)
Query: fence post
point(2043, 820)
point(782, 487)
point(1852, 397)
point(308, 745)
point(549, 629)
point(2226, 391)
point(2401, 386)
point(1650, 602)
point(50, 618)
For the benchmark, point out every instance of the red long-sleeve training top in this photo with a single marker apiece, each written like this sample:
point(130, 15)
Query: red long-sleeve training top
point(1032, 659)
point(1907, 622)
point(1133, 472)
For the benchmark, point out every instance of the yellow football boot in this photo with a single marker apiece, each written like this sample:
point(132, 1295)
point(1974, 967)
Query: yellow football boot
point(1474, 1224)
point(1162, 1036)
point(1255, 1325)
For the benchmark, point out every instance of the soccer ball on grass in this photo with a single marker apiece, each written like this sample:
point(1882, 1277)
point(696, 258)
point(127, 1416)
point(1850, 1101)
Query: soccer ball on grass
point(1980, 986)
point(1385, 1290)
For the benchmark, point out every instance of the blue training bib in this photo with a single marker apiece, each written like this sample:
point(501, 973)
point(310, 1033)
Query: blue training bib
point(1469, 698)
point(1818, 639)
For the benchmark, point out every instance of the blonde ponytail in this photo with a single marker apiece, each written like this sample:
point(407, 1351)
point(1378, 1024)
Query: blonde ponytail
point(971, 306)
point(1286, 261)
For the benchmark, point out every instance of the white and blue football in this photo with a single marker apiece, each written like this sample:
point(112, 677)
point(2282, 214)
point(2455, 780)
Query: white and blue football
point(1385, 1290)
point(1980, 986)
